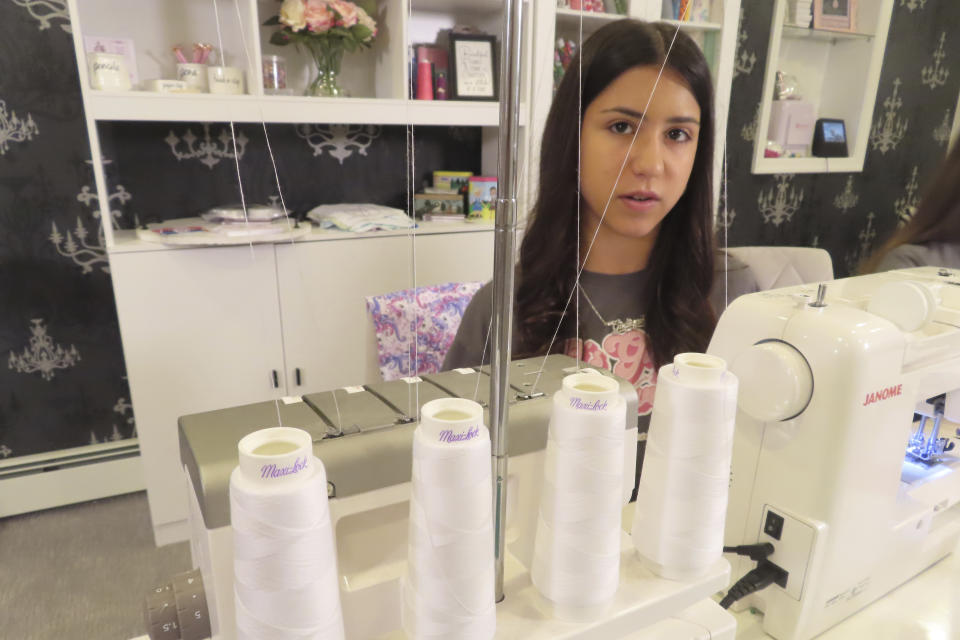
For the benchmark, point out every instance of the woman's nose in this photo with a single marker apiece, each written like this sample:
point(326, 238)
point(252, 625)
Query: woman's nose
point(646, 155)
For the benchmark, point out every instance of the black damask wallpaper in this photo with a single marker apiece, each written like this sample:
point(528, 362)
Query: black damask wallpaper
point(849, 214)
point(62, 378)
point(174, 170)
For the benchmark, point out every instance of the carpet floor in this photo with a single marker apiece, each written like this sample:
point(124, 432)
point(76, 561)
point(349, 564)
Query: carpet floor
point(81, 572)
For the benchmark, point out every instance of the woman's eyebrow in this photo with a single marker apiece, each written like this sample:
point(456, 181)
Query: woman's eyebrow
point(637, 115)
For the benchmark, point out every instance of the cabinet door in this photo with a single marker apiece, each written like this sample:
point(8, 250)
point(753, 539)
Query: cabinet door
point(328, 334)
point(200, 331)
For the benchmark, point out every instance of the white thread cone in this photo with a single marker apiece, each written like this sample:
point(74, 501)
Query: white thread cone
point(682, 496)
point(285, 569)
point(576, 559)
point(448, 586)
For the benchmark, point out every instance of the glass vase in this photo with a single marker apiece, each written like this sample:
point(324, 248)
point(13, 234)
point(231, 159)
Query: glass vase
point(327, 60)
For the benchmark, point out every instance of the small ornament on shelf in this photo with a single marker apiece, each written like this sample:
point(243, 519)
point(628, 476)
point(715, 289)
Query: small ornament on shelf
point(325, 28)
point(441, 89)
point(595, 6)
point(274, 70)
point(193, 71)
point(562, 57)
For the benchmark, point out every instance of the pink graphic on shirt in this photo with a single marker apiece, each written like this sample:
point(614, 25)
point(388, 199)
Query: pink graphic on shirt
point(625, 355)
point(591, 353)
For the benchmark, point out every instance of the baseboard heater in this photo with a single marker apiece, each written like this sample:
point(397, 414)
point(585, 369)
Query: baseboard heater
point(68, 476)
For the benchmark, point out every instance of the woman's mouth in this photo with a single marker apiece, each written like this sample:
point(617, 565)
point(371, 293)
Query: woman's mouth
point(640, 200)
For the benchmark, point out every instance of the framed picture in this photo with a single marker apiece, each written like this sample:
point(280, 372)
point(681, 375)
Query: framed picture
point(473, 68)
point(835, 15)
point(830, 138)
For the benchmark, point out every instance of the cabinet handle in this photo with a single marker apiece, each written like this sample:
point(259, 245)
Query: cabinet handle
point(276, 380)
point(296, 374)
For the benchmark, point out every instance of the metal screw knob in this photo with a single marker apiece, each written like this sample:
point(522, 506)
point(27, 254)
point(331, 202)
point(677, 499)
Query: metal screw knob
point(821, 294)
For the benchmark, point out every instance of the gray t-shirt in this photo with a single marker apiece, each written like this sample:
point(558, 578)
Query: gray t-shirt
point(612, 335)
point(931, 254)
point(606, 292)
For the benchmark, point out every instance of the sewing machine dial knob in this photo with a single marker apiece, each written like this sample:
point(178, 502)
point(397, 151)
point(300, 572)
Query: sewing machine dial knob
point(775, 381)
point(909, 305)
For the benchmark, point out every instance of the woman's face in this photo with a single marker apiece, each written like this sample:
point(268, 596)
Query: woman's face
point(658, 161)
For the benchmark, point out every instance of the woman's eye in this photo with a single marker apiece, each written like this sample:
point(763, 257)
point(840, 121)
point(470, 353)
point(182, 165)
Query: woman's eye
point(621, 127)
point(678, 135)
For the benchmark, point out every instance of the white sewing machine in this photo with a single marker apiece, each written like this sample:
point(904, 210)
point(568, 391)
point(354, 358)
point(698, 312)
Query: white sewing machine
point(364, 438)
point(842, 456)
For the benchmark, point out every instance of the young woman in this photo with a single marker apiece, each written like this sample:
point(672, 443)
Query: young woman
point(932, 237)
point(644, 141)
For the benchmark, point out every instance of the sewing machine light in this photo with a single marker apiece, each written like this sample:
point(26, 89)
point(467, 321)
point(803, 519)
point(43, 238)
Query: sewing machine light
point(775, 381)
point(909, 305)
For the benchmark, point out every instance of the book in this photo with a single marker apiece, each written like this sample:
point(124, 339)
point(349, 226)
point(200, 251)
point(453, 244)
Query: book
point(438, 204)
point(452, 180)
point(482, 198)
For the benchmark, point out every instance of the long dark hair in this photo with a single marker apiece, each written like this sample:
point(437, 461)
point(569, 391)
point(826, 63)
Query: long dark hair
point(937, 218)
point(678, 313)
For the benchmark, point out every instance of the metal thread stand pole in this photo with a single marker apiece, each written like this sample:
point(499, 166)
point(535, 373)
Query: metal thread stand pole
point(504, 254)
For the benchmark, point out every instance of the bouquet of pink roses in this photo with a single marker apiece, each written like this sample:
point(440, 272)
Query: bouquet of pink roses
point(346, 23)
point(326, 28)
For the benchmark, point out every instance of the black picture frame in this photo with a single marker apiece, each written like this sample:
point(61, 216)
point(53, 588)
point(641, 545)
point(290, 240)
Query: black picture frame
point(830, 138)
point(473, 67)
point(842, 17)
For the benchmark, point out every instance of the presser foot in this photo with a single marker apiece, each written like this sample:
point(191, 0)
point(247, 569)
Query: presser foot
point(930, 453)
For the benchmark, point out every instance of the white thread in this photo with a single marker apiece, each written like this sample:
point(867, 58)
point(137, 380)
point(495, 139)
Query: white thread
point(726, 231)
point(285, 566)
point(576, 331)
point(414, 358)
point(682, 497)
point(448, 586)
point(483, 354)
point(263, 122)
point(236, 156)
point(411, 209)
point(576, 559)
point(336, 405)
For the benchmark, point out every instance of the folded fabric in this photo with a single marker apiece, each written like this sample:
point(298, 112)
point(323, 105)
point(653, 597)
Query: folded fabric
point(438, 311)
point(360, 217)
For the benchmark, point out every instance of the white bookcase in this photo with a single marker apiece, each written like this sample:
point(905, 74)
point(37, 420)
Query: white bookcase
point(838, 72)
point(377, 79)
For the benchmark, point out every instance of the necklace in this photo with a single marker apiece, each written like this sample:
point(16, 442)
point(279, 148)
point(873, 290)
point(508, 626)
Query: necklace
point(618, 326)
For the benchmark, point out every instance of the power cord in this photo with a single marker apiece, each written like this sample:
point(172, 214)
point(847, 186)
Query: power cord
point(765, 574)
point(760, 577)
point(755, 552)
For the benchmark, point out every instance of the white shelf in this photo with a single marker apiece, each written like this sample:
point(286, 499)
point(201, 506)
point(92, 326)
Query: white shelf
point(837, 72)
point(476, 6)
point(126, 241)
point(807, 165)
point(695, 26)
point(594, 20)
point(591, 19)
point(793, 31)
point(147, 106)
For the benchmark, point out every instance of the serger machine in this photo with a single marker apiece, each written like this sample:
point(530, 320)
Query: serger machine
point(364, 437)
point(842, 456)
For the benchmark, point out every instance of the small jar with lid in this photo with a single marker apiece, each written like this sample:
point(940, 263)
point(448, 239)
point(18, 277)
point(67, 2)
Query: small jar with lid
point(274, 75)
